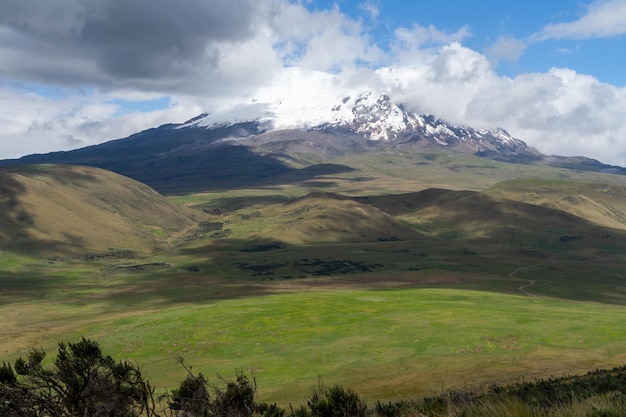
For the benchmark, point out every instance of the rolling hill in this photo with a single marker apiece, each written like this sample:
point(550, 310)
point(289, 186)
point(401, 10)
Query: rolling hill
point(326, 217)
point(600, 203)
point(77, 210)
point(476, 215)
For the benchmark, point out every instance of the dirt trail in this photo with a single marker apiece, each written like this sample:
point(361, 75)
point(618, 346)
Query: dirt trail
point(529, 283)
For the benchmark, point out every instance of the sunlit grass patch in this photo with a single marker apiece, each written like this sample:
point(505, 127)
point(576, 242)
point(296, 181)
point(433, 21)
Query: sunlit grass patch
point(377, 341)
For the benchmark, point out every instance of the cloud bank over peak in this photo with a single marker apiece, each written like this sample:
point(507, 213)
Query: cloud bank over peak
point(72, 70)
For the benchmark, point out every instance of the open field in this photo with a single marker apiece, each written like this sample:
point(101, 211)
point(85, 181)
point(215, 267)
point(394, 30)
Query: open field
point(368, 278)
point(388, 334)
point(385, 344)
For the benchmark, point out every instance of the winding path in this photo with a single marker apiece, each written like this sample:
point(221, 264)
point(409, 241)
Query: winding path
point(530, 282)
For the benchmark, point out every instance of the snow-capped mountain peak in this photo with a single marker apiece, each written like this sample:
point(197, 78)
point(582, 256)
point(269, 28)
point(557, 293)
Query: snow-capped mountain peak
point(373, 116)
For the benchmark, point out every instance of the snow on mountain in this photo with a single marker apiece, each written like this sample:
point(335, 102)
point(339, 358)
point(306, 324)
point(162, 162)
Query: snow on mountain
point(373, 115)
point(285, 103)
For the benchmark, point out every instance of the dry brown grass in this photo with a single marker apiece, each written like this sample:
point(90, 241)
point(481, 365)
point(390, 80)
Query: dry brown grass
point(321, 217)
point(62, 210)
point(602, 203)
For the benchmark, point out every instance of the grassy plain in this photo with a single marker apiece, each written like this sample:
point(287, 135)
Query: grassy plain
point(386, 343)
point(395, 296)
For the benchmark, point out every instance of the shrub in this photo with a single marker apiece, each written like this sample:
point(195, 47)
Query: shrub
point(191, 398)
point(336, 401)
point(236, 398)
point(407, 408)
point(82, 382)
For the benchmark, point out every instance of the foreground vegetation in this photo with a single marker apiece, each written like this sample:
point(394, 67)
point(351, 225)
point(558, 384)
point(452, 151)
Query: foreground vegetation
point(82, 381)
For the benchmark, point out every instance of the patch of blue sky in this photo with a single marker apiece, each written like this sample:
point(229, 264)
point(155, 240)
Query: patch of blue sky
point(595, 57)
point(140, 106)
point(489, 20)
point(47, 91)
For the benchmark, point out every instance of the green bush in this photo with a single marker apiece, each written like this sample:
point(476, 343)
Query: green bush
point(336, 401)
point(191, 398)
point(236, 398)
point(81, 382)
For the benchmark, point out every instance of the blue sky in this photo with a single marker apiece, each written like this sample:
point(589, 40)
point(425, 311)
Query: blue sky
point(488, 21)
point(79, 72)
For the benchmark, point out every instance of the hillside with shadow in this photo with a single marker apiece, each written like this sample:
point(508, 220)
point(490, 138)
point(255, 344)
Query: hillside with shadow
point(599, 202)
point(82, 211)
point(474, 215)
point(61, 210)
point(436, 238)
point(183, 161)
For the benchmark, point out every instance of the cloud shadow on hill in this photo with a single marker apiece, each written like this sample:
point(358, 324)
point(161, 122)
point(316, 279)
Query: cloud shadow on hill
point(220, 167)
point(15, 219)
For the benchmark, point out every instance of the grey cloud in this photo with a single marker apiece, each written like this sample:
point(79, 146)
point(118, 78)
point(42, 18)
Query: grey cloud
point(57, 19)
point(143, 38)
point(72, 142)
point(120, 42)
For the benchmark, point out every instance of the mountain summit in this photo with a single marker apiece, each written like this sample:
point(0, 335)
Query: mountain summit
point(372, 116)
point(267, 142)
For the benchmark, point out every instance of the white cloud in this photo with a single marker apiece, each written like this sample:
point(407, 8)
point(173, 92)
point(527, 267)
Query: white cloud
point(371, 9)
point(439, 81)
point(560, 112)
point(321, 40)
point(506, 48)
point(36, 124)
point(419, 37)
point(604, 18)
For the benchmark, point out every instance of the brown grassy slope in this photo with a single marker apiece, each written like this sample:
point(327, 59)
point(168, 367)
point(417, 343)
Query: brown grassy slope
point(475, 215)
point(402, 170)
point(324, 217)
point(62, 209)
point(600, 203)
point(328, 217)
